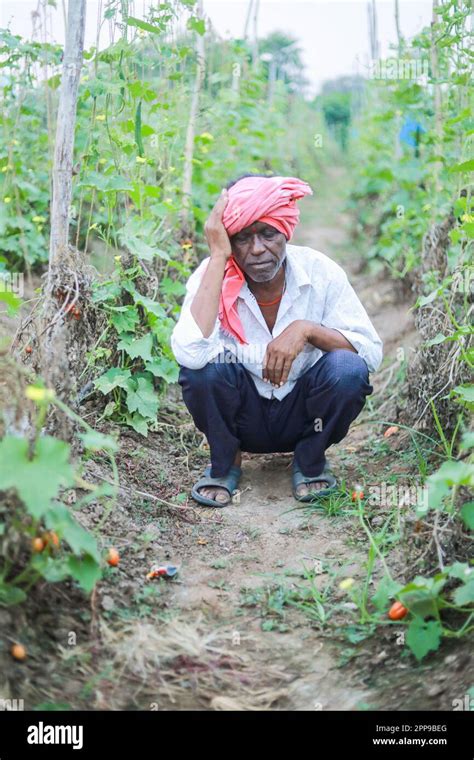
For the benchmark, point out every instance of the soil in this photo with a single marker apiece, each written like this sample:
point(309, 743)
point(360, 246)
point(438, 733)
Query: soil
point(227, 631)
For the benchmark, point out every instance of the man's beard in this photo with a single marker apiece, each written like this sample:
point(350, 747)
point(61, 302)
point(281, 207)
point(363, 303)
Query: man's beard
point(267, 275)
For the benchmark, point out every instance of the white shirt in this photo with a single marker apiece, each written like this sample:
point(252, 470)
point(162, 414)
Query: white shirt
point(317, 289)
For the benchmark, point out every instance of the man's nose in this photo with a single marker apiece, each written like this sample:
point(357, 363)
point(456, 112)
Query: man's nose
point(258, 246)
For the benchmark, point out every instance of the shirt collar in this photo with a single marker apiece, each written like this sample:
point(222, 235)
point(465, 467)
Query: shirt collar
point(294, 259)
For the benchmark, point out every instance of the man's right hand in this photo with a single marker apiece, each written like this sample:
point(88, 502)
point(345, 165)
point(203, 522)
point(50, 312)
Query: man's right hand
point(216, 234)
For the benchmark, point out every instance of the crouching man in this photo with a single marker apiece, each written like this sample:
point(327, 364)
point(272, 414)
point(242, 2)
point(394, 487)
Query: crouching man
point(274, 345)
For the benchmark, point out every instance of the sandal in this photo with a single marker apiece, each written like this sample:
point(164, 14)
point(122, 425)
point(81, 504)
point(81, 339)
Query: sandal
point(325, 477)
point(229, 482)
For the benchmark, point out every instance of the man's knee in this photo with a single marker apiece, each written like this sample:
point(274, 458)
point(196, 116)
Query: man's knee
point(348, 371)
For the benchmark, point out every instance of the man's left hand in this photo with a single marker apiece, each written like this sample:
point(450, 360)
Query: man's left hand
point(282, 351)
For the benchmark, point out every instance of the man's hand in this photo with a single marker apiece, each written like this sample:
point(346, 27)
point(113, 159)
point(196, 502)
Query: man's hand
point(216, 233)
point(282, 351)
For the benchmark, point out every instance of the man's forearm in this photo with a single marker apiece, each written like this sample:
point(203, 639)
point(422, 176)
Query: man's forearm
point(326, 338)
point(205, 305)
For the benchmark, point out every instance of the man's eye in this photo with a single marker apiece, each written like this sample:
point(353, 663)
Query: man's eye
point(269, 233)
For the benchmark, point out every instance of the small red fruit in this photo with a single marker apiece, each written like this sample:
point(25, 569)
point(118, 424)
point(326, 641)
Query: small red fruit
point(18, 652)
point(51, 538)
point(113, 557)
point(28, 349)
point(397, 611)
point(357, 495)
point(37, 544)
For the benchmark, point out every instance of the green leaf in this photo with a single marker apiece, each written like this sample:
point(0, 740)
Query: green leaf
point(138, 423)
point(171, 287)
point(53, 570)
point(465, 166)
point(423, 637)
point(164, 368)
point(12, 301)
point(61, 520)
point(454, 473)
point(115, 184)
point(439, 338)
point(466, 392)
point(144, 25)
point(140, 249)
point(96, 441)
point(425, 300)
point(197, 25)
point(151, 306)
point(85, 570)
point(465, 594)
point(10, 595)
point(386, 590)
point(468, 228)
point(143, 399)
point(124, 318)
point(459, 570)
point(37, 481)
point(421, 595)
point(138, 129)
point(467, 514)
point(113, 378)
point(137, 347)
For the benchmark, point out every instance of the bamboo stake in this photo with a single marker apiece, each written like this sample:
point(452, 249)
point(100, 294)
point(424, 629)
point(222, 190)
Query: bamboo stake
point(64, 144)
point(193, 112)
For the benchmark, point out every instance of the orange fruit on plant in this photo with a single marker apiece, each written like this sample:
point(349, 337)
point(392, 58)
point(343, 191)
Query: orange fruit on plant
point(38, 544)
point(357, 495)
point(28, 349)
point(397, 611)
point(51, 538)
point(113, 557)
point(18, 652)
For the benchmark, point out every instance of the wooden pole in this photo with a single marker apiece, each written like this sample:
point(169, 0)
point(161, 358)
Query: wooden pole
point(190, 132)
point(64, 144)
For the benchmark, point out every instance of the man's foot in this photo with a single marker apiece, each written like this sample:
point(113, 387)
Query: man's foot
point(308, 488)
point(305, 488)
point(216, 492)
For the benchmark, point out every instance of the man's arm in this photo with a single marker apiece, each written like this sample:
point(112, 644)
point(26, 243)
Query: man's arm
point(205, 305)
point(345, 324)
point(326, 338)
point(195, 340)
point(283, 350)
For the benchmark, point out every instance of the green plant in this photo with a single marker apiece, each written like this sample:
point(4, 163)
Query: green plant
point(33, 474)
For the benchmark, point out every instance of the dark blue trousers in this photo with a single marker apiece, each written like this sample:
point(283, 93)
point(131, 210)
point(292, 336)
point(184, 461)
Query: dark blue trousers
point(227, 408)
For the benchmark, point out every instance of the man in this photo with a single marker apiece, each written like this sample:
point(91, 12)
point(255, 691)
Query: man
point(275, 347)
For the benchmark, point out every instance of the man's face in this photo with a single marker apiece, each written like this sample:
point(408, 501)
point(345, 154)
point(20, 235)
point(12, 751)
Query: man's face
point(259, 250)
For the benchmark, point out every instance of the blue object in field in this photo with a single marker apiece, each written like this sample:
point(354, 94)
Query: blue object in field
point(410, 132)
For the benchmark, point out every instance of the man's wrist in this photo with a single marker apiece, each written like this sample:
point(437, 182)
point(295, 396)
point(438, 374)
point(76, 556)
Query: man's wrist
point(309, 330)
point(218, 256)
